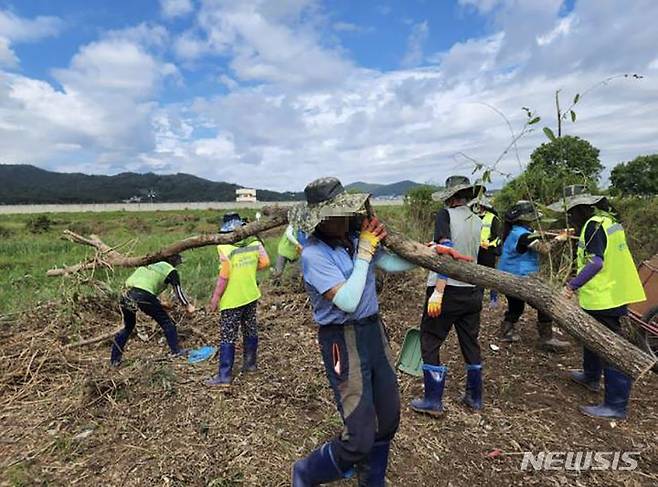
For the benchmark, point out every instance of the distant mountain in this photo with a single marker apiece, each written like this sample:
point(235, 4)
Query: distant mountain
point(25, 184)
point(400, 188)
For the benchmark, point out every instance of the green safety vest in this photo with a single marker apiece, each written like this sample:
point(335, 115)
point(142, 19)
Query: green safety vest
point(242, 287)
point(286, 248)
point(150, 278)
point(485, 234)
point(617, 283)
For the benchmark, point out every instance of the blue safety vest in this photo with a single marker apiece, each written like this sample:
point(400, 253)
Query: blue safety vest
point(514, 262)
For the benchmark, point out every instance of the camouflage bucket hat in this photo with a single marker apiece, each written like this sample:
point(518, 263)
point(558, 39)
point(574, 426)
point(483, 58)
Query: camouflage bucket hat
point(483, 201)
point(325, 198)
point(455, 184)
point(575, 195)
point(523, 211)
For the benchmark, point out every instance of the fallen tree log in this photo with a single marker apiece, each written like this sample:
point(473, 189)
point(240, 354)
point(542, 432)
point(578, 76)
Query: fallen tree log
point(567, 314)
point(108, 256)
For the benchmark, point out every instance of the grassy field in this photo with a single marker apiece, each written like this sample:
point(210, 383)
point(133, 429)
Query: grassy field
point(32, 244)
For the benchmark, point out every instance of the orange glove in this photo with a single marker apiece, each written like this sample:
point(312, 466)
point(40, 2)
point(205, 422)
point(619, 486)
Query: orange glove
point(434, 303)
point(443, 250)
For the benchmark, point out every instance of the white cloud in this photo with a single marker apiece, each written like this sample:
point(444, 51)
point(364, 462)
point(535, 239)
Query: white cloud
point(417, 38)
point(266, 42)
point(413, 123)
point(18, 29)
point(104, 107)
point(297, 107)
point(563, 28)
point(15, 29)
point(7, 55)
point(176, 8)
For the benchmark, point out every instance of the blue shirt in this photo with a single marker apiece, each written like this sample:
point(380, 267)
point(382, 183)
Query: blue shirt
point(302, 238)
point(324, 268)
point(515, 262)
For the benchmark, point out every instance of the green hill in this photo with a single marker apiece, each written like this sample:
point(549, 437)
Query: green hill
point(25, 184)
point(383, 190)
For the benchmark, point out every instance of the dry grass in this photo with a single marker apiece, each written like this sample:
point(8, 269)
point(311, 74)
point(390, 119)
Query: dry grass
point(67, 418)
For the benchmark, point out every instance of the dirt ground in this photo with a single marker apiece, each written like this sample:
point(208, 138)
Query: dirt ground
point(69, 419)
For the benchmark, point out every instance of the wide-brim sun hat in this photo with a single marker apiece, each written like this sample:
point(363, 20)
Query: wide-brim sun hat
point(231, 225)
point(457, 184)
point(523, 211)
point(482, 201)
point(325, 198)
point(575, 195)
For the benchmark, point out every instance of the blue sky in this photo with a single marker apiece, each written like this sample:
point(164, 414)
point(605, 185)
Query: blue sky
point(275, 93)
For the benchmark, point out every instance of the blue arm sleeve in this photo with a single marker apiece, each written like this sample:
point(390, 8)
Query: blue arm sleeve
point(393, 263)
point(445, 243)
point(349, 295)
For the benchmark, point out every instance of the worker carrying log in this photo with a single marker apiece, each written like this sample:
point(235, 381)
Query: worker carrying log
point(143, 287)
point(490, 237)
point(607, 281)
point(237, 294)
point(451, 302)
point(522, 247)
point(338, 266)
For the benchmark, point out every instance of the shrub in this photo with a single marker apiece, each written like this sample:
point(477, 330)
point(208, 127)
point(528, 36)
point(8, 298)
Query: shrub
point(420, 211)
point(640, 219)
point(39, 224)
point(5, 232)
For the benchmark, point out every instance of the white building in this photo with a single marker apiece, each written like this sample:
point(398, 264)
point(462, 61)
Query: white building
point(243, 195)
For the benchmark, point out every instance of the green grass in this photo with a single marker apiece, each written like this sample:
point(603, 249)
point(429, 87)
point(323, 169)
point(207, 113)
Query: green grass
point(26, 256)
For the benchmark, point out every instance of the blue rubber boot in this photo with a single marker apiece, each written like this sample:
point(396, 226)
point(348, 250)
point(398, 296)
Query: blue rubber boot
point(615, 398)
point(224, 376)
point(590, 376)
point(473, 395)
point(372, 472)
point(318, 467)
point(435, 379)
point(250, 353)
point(118, 345)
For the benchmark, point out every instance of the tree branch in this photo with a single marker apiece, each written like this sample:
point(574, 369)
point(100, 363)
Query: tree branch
point(566, 314)
point(108, 256)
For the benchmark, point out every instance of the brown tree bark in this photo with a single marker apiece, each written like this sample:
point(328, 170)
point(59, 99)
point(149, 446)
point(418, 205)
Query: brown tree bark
point(567, 314)
point(108, 256)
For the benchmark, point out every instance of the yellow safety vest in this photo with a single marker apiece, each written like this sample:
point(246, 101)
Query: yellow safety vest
point(617, 283)
point(286, 248)
point(150, 278)
point(485, 234)
point(242, 287)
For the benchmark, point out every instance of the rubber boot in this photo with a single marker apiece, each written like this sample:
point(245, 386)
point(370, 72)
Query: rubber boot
point(372, 472)
point(473, 395)
point(547, 341)
point(615, 397)
point(250, 353)
point(508, 332)
point(435, 378)
point(224, 376)
point(318, 467)
point(590, 376)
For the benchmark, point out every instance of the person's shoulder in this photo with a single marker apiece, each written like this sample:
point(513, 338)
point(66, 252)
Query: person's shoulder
point(312, 248)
